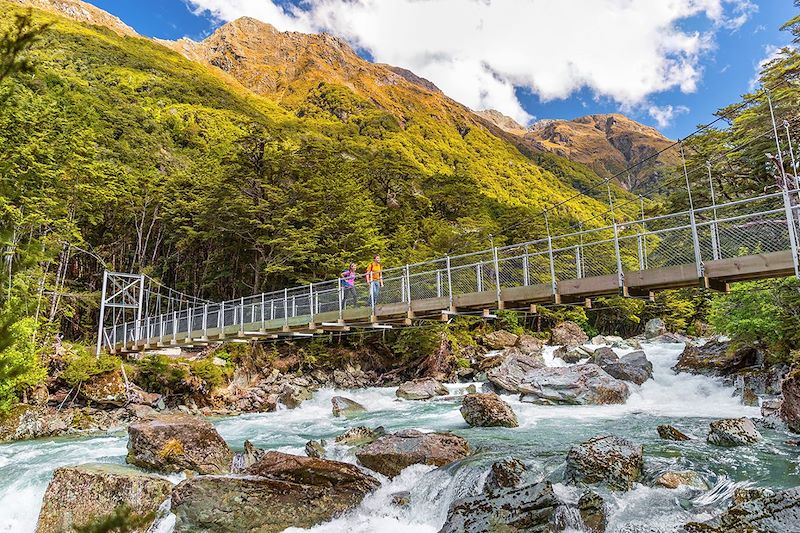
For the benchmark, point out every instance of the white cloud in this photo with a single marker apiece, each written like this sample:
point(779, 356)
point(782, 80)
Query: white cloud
point(663, 115)
point(480, 51)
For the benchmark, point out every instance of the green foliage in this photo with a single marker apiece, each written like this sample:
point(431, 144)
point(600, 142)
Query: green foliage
point(213, 375)
point(20, 367)
point(81, 365)
point(762, 312)
point(157, 373)
point(509, 321)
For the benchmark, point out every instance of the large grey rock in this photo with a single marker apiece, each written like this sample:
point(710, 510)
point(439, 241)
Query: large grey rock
point(579, 384)
point(487, 410)
point(342, 406)
point(506, 474)
point(672, 479)
point(772, 512)
point(667, 432)
point(513, 369)
point(390, 454)
point(606, 459)
point(530, 508)
point(568, 334)
point(571, 354)
point(248, 457)
point(733, 432)
point(654, 327)
point(604, 356)
point(497, 340)
point(592, 509)
point(633, 367)
point(277, 492)
point(421, 389)
point(171, 443)
point(718, 358)
point(790, 408)
point(82, 495)
point(529, 345)
point(360, 435)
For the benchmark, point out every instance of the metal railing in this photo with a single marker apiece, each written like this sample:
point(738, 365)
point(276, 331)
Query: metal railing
point(767, 223)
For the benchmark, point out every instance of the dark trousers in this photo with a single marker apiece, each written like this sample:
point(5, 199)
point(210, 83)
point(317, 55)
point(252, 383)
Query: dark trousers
point(349, 293)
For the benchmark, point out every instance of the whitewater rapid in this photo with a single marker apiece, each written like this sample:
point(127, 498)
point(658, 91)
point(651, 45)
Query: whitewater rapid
point(542, 440)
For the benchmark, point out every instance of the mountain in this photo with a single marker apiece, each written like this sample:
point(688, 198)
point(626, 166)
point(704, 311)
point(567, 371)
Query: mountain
point(82, 12)
point(502, 121)
point(608, 144)
point(253, 160)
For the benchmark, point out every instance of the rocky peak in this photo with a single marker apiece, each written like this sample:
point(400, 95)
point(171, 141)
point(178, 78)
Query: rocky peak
point(502, 121)
point(82, 12)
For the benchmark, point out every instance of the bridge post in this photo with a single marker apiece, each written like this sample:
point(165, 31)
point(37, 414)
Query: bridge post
point(101, 326)
point(407, 273)
point(553, 282)
point(174, 327)
point(311, 301)
point(787, 201)
point(698, 259)
point(449, 283)
point(715, 248)
point(263, 310)
point(525, 274)
point(497, 277)
point(286, 308)
point(438, 283)
point(205, 321)
point(578, 273)
point(241, 315)
point(620, 273)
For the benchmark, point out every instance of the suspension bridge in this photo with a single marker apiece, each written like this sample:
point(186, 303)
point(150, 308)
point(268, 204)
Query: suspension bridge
point(709, 246)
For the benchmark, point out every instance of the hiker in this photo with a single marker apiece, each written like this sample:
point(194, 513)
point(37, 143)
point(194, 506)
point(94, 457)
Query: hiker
point(349, 286)
point(375, 279)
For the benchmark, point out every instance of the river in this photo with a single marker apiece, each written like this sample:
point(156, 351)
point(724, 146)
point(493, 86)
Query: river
point(542, 440)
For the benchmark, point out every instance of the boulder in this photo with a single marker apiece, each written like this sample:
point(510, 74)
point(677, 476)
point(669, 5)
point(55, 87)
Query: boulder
point(578, 384)
point(608, 459)
point(717, 358)
point(137, 395)
point(342, 406)
point(779, 511)
point(421, 389)
point(232, 504)
point(171, 443)
point(604, 356)
point(754, 383)
point(248, 457)
point(771, 408)
point(568, 334)
point(360, 435)
point(315, 448)
point(506, 474)
point(654, 327)
point(513, 369)
point(487, 410)
point(497, 340)
point(673, 479)
point(350, 482)
point(746, 494)
point(529, 345)
point(592, 509)
point(790, 409)
point(105, 389)
point(733, 432)
point(390, 454)
point(401, 498)
point(78, 496)
point(667, 432)
point(292, 395)
point(571, 354)
point(633, 367)
point(528, 508)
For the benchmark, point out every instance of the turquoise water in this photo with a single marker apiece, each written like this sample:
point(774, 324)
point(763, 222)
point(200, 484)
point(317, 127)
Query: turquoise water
point(542, 440)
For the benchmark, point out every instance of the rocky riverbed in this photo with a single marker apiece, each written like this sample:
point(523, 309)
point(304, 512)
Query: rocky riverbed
point(553, 450)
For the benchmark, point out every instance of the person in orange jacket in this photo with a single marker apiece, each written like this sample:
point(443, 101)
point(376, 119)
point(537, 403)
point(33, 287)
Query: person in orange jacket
point(375, 279)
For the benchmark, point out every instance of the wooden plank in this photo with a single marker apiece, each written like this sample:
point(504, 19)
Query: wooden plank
point(542, 292)
point(662, 278)
point(748, 267)
point(474, 300)
point(430, 304)
point(396, 309)
point(586, 287)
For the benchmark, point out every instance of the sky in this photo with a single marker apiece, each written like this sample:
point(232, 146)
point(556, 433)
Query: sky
point(667, 63)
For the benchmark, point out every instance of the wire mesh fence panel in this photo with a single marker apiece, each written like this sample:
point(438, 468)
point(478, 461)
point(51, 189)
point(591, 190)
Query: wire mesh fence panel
point(465, 279)
point(753, 235)
point(425, 285)
point(511, 271)
point(599, 258)
point(393, 290)
point(565, 261)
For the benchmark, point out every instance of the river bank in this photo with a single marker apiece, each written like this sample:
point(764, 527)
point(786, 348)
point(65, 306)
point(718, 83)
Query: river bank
point(542, 440)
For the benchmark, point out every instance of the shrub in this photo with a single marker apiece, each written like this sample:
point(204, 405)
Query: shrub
point(81, 365)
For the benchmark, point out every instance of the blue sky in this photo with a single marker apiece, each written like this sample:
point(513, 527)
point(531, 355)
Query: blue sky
point(712, 64)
